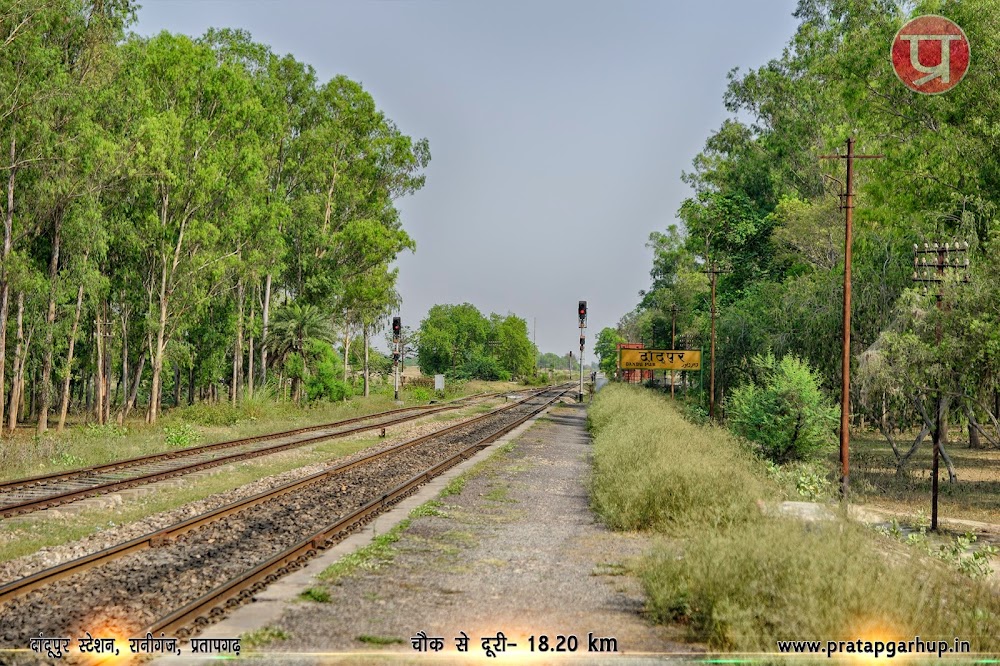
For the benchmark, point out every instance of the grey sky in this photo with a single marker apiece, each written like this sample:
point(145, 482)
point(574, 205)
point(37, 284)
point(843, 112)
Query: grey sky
point(558, 130)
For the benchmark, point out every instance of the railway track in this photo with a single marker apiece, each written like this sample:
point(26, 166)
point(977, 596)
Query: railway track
point(21, 496)
point(180, 578)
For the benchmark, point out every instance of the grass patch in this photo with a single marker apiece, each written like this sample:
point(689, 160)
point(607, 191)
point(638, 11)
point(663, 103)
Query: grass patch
point(739, 581)
point(373, 556)
point(455, 486)
point(499, 494)
point(655, 470)
point(263, 636)
point(749, 586)
point(428, 509)
point(317, 594)
point(380, 640)
point(84, 444)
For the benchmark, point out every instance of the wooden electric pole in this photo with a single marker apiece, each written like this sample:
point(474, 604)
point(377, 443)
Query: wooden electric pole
point(713, 270)
point(845, 387)
point(673, 341)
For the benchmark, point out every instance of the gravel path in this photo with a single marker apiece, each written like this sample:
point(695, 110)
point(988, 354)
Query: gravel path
point(517, 551)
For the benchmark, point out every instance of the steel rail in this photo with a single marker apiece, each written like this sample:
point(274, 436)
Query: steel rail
point(68, 496)
point(114, 465)
point(165, 535)
point(241, 588)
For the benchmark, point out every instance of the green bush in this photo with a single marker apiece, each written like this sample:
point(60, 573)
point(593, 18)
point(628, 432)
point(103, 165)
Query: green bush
point(419, 393)
point(482, 367)
point(180, 435)
point(222, 413)
point(323, 382)
point(784, 414)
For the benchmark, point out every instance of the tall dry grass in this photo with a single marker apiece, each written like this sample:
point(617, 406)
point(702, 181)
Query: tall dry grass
point(740, 581)
point(655, 470)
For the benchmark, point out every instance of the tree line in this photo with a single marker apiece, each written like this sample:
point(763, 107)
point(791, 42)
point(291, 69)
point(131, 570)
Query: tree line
point(183, 217)
point(461, 342)
point(766, 208)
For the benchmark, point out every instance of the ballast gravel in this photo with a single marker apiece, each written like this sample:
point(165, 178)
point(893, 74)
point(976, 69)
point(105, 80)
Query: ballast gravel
point(114, 533)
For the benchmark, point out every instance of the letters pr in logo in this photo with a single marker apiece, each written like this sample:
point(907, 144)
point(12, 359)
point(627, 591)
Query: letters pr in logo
point(930, 54)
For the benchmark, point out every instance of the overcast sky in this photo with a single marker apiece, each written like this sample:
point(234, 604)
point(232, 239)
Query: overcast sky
point(558, 130)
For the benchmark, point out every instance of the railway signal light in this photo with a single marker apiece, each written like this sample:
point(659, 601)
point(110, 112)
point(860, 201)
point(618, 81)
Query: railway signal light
point(395, 357)
point(397, 327)
point(582, 311)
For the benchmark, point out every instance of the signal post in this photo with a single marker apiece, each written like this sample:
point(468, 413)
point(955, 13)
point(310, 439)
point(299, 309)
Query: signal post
point(582, 312)
point(397, 333)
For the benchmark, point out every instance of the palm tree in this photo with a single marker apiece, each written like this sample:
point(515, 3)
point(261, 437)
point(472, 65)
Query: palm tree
point(292, 325)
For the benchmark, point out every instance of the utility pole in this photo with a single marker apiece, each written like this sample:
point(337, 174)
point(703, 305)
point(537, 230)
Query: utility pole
point(107, 333)
point(397, 334)
point(581, 311)
point(934, 273)
point(673, 341)
point(845, 387)
point(713, 270)
point(534, 340)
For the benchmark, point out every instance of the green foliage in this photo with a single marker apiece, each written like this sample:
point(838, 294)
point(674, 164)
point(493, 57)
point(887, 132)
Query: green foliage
point(740, 581)
point(419, 393)
point(959, 552)
point(460, 341)
point(181, 435)
point(808, 480)
point(783, 413)
point(260, 637)
point(176, 185)
point(318, 594)
point(106, 431)
point(606, 349)
point(373, 556)
point(325, 383)
point(482, 367)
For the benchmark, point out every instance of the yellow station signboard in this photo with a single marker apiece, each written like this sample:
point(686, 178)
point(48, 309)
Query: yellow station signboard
point(659, 359)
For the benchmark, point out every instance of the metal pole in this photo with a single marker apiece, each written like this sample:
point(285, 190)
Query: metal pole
point(395, 375)
point(673, 343)
point(939, 403)
point(920, 274)
point(845, 387)
point(711, 377)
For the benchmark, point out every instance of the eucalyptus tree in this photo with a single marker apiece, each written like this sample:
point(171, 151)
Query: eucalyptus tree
point(195, 156)
point(367, 301)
